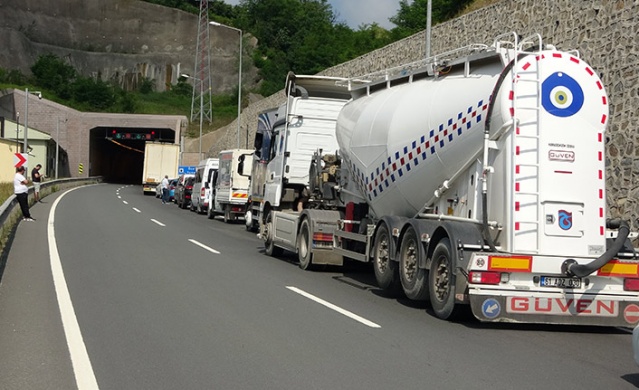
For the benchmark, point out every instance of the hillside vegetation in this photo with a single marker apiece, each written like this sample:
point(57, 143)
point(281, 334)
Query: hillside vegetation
point(303, 36)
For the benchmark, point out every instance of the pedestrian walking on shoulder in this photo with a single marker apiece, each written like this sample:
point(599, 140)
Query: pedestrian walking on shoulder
point(165, 189)
point(36, 178)
point(22, 193)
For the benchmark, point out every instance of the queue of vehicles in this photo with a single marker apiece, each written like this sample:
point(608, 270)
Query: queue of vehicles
point(474, 179)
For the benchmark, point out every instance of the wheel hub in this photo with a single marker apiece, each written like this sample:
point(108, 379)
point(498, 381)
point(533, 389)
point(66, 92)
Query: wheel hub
point(410, 261)
point(441, 282)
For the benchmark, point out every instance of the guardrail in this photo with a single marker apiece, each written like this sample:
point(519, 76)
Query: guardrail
point(10, 212)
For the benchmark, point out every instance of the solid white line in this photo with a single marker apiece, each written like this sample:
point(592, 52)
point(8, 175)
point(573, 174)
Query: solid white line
point(333, 307)
point(204, 246)
point(84, 376)
point(125, 202)
point(158, 222)
point(136, 210)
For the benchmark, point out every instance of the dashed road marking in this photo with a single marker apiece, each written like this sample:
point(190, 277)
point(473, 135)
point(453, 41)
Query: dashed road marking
point(157, 222)
point(331, 306)
point(204, 246)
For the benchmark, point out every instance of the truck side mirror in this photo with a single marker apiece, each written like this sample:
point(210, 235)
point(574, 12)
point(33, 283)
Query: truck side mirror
point(206, 185)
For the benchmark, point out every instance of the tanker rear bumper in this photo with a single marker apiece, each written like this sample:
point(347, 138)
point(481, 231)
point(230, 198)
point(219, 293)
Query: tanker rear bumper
point(555, 308)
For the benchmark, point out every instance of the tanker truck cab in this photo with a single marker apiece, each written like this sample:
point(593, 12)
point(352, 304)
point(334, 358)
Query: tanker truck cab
point(304, 124)
point(477, 181)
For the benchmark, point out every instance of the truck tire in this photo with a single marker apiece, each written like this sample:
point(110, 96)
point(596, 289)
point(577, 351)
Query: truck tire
point(414, 280)
point(441, 281)
point(304, 253)
point(386, 270)
point(269, 248)
point(209, 212)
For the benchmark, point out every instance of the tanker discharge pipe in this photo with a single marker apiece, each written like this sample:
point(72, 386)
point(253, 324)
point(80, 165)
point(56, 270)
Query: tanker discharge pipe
point(571, 268)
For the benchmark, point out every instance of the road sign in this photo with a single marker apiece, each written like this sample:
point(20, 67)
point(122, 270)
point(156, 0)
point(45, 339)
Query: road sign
point(490, 308)
point(20, 159)
point(80, 168)
point(186, 169)
point(631, 314)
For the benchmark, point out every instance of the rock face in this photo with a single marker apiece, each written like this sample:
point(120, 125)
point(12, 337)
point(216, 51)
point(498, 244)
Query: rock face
point(119, 40)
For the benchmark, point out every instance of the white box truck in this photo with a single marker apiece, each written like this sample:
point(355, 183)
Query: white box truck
point(232, 184)
point(159, 159)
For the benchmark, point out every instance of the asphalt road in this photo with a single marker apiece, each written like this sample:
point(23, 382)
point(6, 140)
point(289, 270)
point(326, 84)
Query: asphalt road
point(167, 299)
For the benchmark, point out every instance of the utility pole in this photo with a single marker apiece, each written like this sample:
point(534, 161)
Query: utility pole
point(202, 103)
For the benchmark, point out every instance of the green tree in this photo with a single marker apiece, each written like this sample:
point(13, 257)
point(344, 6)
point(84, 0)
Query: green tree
point(96, 94)
point(52, 73)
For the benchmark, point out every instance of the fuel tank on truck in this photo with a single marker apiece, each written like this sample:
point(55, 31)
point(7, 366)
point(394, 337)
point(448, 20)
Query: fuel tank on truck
point(401, 139)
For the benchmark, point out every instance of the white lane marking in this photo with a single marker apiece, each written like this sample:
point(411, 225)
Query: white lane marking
point(125, 202)
point(158, 222)
point(334, 307)
point(204, 246)
point(119, 197)
point(136, 210)
point(84, 376)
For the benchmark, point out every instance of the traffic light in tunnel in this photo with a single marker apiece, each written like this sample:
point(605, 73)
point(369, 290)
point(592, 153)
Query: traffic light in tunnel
point(122, 135)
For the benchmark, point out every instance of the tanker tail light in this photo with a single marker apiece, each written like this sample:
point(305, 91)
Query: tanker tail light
point(631, 284)
point(488, 277)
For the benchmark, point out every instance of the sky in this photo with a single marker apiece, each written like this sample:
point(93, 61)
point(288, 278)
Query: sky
point(358, 12)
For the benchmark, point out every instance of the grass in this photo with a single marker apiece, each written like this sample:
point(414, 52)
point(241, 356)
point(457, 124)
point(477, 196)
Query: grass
point(6, 190)
point(224, 107)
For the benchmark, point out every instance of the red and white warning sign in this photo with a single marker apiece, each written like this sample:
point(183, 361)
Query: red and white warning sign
point(631, 314)
point(20, 159)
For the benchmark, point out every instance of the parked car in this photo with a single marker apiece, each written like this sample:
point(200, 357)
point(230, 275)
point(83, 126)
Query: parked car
point(204, 174)
point(183, 190)
point(172, 185)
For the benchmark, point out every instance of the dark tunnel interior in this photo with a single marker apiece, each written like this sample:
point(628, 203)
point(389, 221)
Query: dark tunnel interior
point(117, 154)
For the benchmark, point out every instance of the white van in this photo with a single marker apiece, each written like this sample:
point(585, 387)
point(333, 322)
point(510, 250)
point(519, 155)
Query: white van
point(204, 175)
point(232, 184)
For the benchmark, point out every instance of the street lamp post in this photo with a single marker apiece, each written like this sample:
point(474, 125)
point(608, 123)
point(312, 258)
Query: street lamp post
point(26, 114)
point(239, 81)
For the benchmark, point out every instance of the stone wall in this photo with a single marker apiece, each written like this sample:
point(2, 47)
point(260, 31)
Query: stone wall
point(119, 40)
point(603, 31)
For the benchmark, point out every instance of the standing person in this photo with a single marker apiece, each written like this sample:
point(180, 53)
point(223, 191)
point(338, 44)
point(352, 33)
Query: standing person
point(36, 178)
point(22, 193)
point(165, 189)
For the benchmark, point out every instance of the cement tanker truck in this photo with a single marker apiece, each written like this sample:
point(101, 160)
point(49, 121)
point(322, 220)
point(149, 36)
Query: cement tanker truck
point(475, 178)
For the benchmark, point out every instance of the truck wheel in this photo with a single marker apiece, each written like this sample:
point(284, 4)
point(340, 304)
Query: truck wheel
point(441, 281)
point(209, 212)
point(304, 253)
point(269, 248)
point(386, 270)
point(414, 279)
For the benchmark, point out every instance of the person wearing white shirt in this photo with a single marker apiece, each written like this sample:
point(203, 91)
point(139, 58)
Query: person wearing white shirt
point(21, 191)
point(165, 189)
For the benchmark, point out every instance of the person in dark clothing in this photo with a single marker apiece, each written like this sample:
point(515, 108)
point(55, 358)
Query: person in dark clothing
point(36, 178)
point(21, 191)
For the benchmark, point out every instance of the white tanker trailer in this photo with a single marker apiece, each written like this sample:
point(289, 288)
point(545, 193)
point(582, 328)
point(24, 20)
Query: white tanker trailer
point(478, 178)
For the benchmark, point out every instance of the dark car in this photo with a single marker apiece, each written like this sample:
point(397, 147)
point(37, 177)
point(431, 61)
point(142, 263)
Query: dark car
point(183, 190)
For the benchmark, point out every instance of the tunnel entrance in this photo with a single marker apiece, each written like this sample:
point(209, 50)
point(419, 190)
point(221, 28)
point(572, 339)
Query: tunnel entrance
point(117, 154)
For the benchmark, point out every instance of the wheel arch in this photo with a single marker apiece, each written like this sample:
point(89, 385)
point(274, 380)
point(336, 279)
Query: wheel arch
point(392, 222)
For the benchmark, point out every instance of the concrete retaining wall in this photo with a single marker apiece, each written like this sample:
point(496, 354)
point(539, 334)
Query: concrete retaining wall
point(603, 31)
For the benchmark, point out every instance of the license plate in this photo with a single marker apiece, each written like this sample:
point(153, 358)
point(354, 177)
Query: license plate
point(553, 281)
